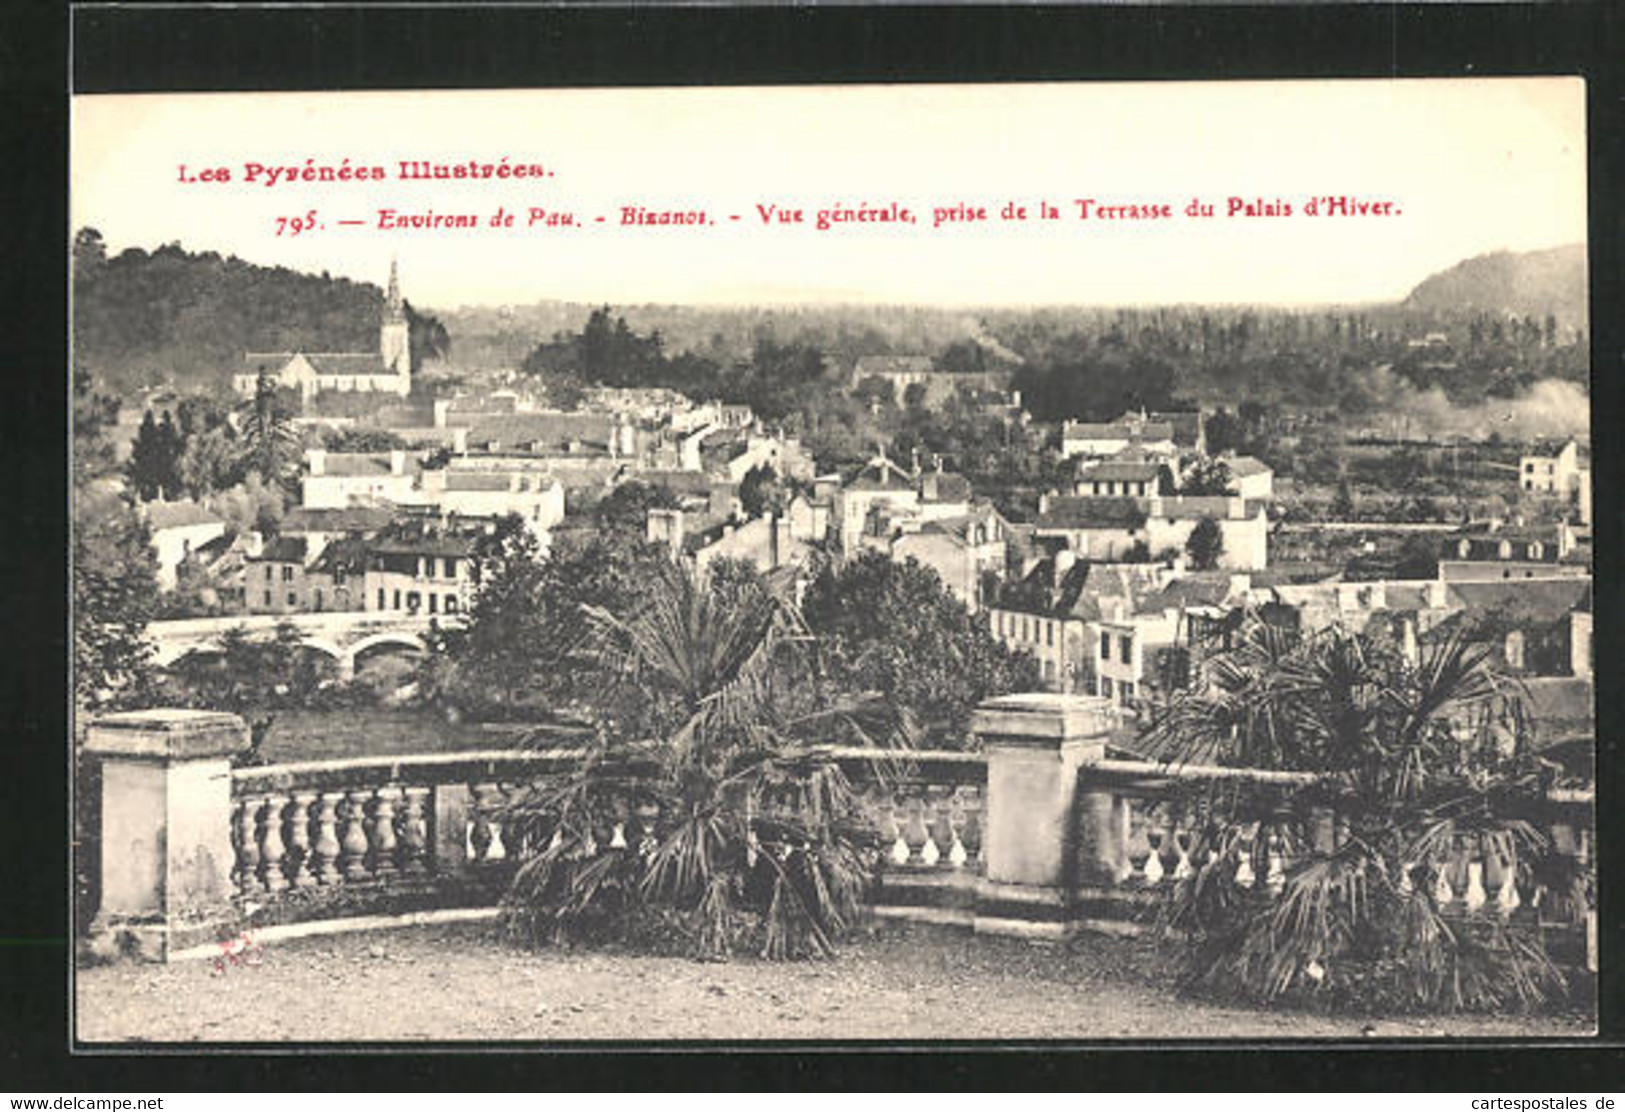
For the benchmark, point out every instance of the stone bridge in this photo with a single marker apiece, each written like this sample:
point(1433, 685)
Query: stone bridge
point(342, 635)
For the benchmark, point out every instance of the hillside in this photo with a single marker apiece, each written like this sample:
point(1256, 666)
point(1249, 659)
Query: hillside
point(140, 317)
point(1528, 284)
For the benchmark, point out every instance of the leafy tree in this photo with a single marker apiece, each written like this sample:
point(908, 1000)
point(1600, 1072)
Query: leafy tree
point(427, 337)
point(1205, 545)
point(362, 440)
point(114, 571)
point(1416, 762)
point(521, 648)
point(1207, 476)
point(1418, 559)
point(760, 491)
point(624, 511)
point(893, 629)
point(698, 809)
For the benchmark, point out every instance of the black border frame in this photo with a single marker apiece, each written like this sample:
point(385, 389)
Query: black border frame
point(139, 47)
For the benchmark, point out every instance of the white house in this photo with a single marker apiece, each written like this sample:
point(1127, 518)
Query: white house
point(177, 530)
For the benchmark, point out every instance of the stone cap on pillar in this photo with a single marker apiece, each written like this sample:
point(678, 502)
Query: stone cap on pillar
point(1044, 719)
point(167, 734)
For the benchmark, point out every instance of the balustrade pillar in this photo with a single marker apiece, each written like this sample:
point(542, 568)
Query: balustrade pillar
point(353, 845)
point(167, 852)
point(325, 850)
point(1035, 745)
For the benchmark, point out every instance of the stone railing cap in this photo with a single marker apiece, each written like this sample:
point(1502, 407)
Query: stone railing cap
point(167, 734)
point(1037, 718)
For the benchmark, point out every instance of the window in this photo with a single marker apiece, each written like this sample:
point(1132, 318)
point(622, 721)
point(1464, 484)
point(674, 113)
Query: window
point(450, 567)
point(269, 574)
point(397, 598)
point(1127, 650)
point(287, 573)
point(1106, 686)
point(1049, 634)
point(1106, 648)
point(318, 598)
point(413, 600)
point(268, 594)
point(380, 598)
point(451, 604)
point(434, 603)
point(1126, 690)
point(293, 598)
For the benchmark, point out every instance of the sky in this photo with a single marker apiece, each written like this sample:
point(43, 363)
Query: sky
point(1467, 166)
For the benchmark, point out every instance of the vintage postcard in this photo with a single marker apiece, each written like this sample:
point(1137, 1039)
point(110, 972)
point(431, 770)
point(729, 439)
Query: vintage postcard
point(1026, 561)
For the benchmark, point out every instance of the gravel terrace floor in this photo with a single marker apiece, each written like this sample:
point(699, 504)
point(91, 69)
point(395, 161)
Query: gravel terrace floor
point(464, 982)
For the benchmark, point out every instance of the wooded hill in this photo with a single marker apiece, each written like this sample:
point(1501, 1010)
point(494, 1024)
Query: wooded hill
point(140, 317)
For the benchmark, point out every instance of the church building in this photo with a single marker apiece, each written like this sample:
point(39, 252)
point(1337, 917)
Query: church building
point(388, 370)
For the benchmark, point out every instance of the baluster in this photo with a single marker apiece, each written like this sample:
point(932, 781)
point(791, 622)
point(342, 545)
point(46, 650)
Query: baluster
point(299, 862)
point(957, 854)
point(414, 831)
point(915, 834)
point(899, 852)
point(272, 849)
point(480, 835)
point(384, 843)
point(353, 845)
point(1275, 876)
point(970, 832)
point(1443, 894)
point(1156, 840)
point(1475, 897)
point(1507, 899)
point(248, 845)
point(326, 848)
point(1244, 870)
point(491, 799)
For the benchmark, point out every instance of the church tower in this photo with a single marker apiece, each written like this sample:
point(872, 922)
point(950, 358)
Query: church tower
point(394, 339)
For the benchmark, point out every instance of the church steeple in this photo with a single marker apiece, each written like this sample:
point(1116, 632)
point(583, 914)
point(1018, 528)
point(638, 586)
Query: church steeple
point(392, 300)
point(394, 333)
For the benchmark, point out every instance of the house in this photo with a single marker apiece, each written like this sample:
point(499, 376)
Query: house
point(1048, 613)
point(1250, 478)
point(767, 542)
point(1129, 474)
point(274, 579)
point(336, 579)
point(535, 498)
point(1123, 528)
point(1084, 438)
point(898, 371)
point(1492, 551)
point(386, 371)
point(175, 530)
point(963, 550)
point(420, 567)
point(1528, 621)
point(334, 480)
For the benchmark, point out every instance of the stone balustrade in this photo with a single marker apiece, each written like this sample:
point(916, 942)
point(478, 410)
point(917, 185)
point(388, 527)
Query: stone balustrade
point(1039, 834)
point(1143, 827)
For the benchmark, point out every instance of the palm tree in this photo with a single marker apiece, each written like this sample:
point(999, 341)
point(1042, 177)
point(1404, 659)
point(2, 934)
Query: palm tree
point(699, 808)
point(1423, 765)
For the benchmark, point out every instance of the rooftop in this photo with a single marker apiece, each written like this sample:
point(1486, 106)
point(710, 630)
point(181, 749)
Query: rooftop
point(176, 515)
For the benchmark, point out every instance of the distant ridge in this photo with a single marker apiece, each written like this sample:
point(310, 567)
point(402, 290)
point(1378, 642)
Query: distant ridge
point(1527, 284)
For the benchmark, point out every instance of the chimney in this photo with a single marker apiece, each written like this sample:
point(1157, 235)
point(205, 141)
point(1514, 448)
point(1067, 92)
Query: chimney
point(397, 461)
point(442, 410)
point(459, 441)
point(1065, 561)
point(317, 460)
